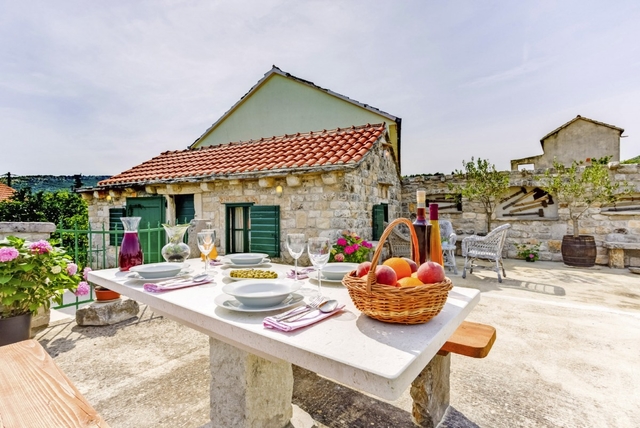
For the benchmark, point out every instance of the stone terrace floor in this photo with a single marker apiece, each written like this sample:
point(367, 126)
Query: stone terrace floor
point(566, 355)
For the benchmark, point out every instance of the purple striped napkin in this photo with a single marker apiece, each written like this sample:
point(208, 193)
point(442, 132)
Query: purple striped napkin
point(310, 318)
point(303, 273)
point(157, 288)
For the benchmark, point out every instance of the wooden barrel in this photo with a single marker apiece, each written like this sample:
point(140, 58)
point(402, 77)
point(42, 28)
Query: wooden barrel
point(579, 251)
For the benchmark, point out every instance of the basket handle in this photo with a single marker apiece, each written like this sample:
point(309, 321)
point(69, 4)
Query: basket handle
point(415, 249)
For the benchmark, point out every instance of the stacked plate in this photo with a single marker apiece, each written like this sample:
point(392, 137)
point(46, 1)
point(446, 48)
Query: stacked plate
point(259, 295)
point(158, 271)
point(245, 260)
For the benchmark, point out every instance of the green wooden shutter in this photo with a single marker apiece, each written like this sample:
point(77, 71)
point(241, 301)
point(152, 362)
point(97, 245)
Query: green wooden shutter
point(380, 215)
point(265, 229)
point(152, 212)
point(185, 209)
point(116, 224)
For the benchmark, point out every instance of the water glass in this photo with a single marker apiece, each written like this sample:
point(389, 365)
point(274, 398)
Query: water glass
point(206, 244)
point(319, 250)
point(295, 246)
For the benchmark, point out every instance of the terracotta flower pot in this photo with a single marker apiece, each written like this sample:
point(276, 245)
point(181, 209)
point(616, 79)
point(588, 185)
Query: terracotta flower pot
point(103, 294)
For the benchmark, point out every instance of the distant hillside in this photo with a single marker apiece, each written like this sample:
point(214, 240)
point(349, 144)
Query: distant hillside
point(51, 183)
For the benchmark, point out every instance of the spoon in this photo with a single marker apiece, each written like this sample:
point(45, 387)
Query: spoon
point(200, 277)
point(325, 307)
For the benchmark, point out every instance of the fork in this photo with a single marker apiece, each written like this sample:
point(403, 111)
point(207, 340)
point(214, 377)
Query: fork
point(313, 304)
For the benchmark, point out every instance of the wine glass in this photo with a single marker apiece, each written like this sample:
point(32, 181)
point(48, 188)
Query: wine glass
point(206, 244)
point(295, 246)
point(319, 250)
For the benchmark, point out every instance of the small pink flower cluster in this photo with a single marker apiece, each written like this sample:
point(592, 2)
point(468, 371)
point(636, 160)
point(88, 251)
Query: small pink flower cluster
point(350, 248)
point(40, 247)
point(8, 253)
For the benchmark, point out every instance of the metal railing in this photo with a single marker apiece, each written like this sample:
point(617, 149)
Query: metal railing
point(92, 248)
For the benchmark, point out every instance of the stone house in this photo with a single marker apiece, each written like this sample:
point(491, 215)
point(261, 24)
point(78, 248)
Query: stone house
point(255, 192)
point(327, 169)
point(579, 139)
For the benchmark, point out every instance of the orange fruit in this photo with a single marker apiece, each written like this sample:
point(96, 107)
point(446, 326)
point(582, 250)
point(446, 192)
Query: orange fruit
point(401, 266)
point(409, 282)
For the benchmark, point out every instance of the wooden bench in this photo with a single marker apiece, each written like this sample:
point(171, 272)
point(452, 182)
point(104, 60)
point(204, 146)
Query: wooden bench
point(34, 392)
point(430, 390)
point(470, 339)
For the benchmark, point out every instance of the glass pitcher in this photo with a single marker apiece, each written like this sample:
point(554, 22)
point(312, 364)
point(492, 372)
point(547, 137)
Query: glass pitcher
point(130, 249)
point(176, 251)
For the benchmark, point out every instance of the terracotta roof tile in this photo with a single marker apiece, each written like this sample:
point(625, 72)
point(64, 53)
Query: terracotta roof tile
point(313, 149)
point(6, 192)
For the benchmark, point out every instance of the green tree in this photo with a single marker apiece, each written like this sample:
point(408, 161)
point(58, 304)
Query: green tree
point(481, 182)
point(64, 209)
point(581, 186)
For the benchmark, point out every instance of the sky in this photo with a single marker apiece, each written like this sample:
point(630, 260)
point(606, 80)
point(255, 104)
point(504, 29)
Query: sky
point(95, 88)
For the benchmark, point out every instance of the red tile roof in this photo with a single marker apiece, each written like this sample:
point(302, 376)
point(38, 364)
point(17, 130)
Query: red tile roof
point(287, 152)
point(5, 192)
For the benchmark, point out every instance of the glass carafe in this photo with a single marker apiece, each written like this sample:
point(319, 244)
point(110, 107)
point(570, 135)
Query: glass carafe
point(176, 251)
point(130, 249)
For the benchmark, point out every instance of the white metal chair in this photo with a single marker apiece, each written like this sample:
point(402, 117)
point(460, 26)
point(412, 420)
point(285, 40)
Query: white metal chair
point(485, 247)
point(448, 239)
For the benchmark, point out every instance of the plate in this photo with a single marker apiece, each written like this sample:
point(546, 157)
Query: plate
point(227, 274)
point(314, 275)
point(158, 270)
point(136, 277)
point(260, 292)
point(246, 258)
point(227, 263)
point(230, 303)
point(337, 271)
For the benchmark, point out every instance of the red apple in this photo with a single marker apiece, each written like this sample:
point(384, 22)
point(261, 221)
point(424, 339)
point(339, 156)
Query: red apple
point(430, 273)
point(363, 269)
point(385, 275)
point(414, 266)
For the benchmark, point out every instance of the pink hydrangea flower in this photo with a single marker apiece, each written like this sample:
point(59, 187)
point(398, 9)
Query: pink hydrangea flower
point(339, 257)
point(366, 244)
point(342, 242)
point(8, 253)
point(85, 272)
point(40, 247)
point(72, 268)
point(83, 289)
point(349, 250)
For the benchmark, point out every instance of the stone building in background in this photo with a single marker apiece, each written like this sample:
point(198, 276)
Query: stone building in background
point(579, 139)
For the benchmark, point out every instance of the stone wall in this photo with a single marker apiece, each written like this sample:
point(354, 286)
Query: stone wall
point(548, 232)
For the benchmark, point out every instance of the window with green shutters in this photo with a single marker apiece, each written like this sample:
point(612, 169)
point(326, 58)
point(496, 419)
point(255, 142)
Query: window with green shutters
point(116, 225)
point(253, 228)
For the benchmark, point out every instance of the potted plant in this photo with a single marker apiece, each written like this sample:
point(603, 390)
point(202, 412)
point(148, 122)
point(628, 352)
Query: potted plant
point(32, 274)
point(579, 187)
point(350, 248)
point(528, 252)
point(481, 182)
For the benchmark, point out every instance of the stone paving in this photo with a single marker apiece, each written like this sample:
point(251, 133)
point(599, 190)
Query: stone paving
point(566, 355)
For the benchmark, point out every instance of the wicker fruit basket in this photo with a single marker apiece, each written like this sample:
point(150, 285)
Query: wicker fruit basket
point(408, 305)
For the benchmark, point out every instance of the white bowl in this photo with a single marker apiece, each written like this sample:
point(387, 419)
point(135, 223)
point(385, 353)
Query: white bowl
point(337, 271)
point(158, 270)
point(260, 292)
point(246, 258)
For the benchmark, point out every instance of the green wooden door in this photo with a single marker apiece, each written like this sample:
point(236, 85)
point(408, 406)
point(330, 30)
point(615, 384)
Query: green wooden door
point(152, 212)
point(265, 229)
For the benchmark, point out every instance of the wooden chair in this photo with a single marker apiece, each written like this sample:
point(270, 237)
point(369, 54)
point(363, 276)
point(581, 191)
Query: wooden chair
point(487, 248)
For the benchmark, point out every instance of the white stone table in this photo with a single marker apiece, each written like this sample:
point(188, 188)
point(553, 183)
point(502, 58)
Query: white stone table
point(252, 380)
